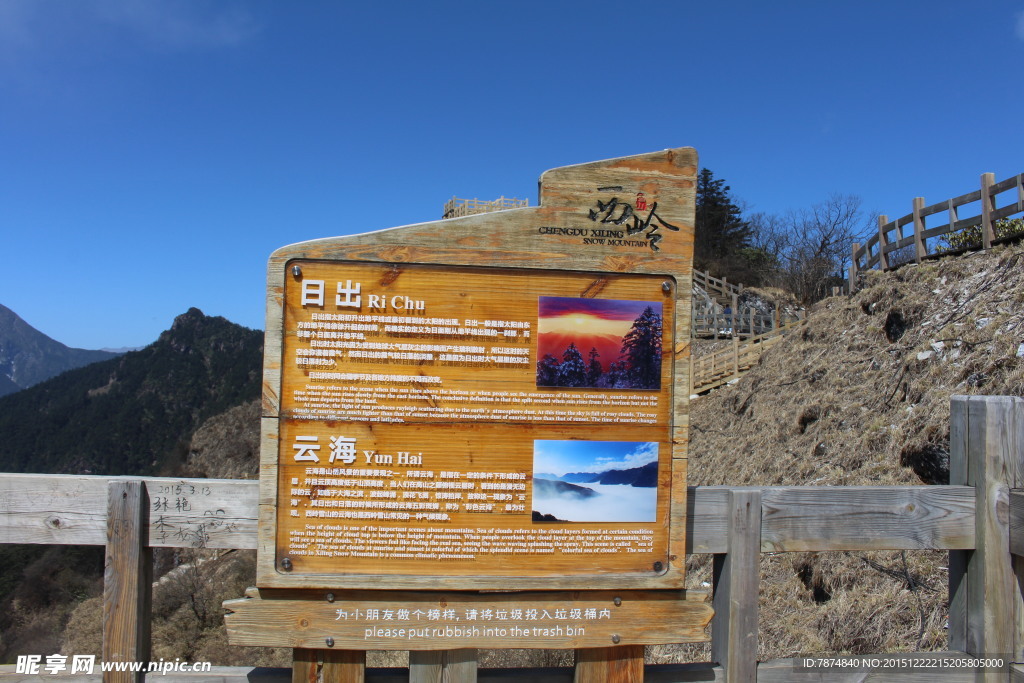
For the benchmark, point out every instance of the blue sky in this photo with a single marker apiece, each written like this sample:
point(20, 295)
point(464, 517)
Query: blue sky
point(154, 153)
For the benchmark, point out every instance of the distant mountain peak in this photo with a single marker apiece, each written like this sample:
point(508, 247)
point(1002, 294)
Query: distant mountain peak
point(27, 356)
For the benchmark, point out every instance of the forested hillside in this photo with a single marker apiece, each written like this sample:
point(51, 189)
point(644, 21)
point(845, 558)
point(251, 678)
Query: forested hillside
point(135, 413)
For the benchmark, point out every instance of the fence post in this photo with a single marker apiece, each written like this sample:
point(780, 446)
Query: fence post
point(735, 315)
point(692, 368)
point(735, 357)
point(127, 579)
point(883, 259)
point(736, 586)
point(451, 666)
point(986, 612)
point(919, 250)
point(987, 207)
point(328, 666)
point(853, 267)
point(623, 664)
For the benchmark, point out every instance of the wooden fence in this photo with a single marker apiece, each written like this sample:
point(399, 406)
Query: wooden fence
point(895, 244)
point(456, 207)
point(979, 518)
point(710, 320)
point(719, 289)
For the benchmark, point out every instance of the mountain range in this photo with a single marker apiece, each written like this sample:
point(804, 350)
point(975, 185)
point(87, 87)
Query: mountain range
point(646, 476)
point(27, 356)
point(134, 413)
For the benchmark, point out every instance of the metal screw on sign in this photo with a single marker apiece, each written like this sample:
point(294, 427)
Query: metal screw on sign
point(296, 271)
point(615, 638)
point(666, 286)
point(658, 566)
point(286, 564)
point(330, 642)
point(330, 597)
point(617, 601)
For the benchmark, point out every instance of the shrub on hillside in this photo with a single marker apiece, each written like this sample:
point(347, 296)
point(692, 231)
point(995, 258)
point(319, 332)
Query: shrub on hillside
point(970, 238)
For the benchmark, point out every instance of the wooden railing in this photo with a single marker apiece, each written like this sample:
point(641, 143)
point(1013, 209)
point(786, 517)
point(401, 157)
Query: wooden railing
point(979, 518)
point(456, 207)
point(729, 364)
point(895, 244)
point(719, 289)
point(710, 320)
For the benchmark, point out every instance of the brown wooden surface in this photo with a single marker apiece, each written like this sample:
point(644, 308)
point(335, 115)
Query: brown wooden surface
point(737, 577)
point(443, 666)
point(624, 664)
point(582, 224)
point(820, 518)
point(1017, 522)
point(127, 577)
point(328, 666)
point(372, 620)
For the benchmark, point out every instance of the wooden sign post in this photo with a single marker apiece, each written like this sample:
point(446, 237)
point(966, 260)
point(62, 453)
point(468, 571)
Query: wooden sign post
point(485, 403)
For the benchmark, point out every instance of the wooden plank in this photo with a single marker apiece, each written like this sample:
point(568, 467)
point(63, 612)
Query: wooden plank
point(404, 620)
point(1009, 183)
point(994, 620)
point(867, 518)
point(958, 559)
point(328, 666)
point(1017, 522)
point(305, 666)
point(736, 590)
point(883, 227)
point(1007, 211)
point(935, 208)
point(442, 666)
point(70, 501)
point(127, 578)
point(184, 513)
point(936, 231)
point(610, 665)
point(987, 206)
point(966, 198)
point(918, 220)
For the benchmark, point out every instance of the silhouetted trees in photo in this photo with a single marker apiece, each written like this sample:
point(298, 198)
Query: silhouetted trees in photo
point(638, 366)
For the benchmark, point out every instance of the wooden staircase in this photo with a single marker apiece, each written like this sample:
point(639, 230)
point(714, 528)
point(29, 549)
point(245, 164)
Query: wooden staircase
point(714, 370)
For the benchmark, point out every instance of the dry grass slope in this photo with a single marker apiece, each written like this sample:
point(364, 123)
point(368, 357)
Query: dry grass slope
point(861, 397)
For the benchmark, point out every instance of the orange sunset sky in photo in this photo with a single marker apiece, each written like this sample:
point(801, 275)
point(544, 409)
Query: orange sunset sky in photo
point(589, 323)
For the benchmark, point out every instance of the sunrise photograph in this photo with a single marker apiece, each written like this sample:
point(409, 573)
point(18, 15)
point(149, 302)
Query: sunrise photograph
point(598, 343)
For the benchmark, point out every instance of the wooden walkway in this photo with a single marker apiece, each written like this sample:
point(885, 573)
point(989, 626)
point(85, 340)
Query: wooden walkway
point(728, 365)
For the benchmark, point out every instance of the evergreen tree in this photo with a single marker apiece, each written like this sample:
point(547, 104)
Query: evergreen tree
point(547, 371)
point(573, 370)
point(594, 369)
point(641, 350)
point(721, 233)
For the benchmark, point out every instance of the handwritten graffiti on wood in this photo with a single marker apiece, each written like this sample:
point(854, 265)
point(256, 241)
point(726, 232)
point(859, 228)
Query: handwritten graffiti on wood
point(619, 212)
point(176, 509)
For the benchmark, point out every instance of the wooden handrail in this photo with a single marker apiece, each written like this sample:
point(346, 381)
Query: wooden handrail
point(876, 250)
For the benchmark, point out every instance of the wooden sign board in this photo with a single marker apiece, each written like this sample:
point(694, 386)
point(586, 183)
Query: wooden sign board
point(486, 402)
point(385, 620)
